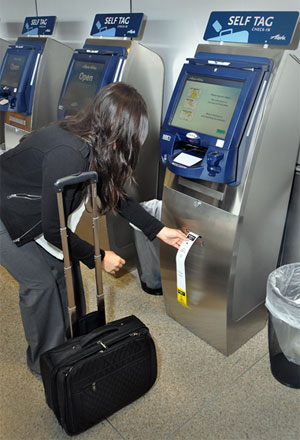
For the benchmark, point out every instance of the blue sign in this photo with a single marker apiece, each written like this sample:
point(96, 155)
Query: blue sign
point(117, 25)
point(39, 25)
point(252, 27)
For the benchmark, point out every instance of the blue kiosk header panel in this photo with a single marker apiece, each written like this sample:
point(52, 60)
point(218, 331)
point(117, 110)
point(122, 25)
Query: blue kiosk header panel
point(117, 25)
point(39, 25)
point(18, 75)
point(255, 27)
point(90, 69)
point(208, 113)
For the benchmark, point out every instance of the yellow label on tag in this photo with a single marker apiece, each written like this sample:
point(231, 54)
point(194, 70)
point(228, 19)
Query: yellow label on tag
point(181, 297)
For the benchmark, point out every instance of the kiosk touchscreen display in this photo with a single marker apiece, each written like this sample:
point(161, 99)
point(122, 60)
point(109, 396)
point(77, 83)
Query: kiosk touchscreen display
point(206, 105)
point(82, 85)
point(12, 70)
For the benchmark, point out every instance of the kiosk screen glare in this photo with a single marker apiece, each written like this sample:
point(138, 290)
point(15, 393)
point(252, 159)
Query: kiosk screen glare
point(82, 85)
point(12, 70)
point(207, 104)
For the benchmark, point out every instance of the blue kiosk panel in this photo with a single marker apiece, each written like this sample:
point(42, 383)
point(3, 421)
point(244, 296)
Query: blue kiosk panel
point(18, 76)
point(208, 113)
point(90, 69)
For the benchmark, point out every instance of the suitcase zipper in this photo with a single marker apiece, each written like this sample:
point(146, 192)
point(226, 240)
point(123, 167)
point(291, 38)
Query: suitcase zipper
point(68, 371)
point(120, 339)
point(64, 407)
point(99, 342)
point(102, 345)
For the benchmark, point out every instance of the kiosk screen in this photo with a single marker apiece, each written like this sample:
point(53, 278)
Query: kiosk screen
point(82, 84)
point(12, 70)
point(206, 105)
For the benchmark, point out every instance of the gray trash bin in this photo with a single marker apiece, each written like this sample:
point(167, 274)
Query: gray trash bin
point(148, 260)
point(283, 303)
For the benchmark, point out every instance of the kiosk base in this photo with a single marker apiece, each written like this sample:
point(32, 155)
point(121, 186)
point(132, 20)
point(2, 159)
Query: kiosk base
point(223, 308)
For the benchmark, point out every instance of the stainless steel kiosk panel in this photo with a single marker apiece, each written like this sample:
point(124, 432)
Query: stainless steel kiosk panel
point(241, 221)
point(33, 94)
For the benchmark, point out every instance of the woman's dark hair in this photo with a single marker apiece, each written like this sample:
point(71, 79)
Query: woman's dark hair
point(115, 125)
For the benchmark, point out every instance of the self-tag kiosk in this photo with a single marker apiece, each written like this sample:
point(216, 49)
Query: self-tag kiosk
point(31, 78)
point(98, 63)
point(3, 47)
point(229, 141)
point(90, 69)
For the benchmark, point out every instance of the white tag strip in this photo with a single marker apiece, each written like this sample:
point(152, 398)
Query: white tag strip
point(180, 267)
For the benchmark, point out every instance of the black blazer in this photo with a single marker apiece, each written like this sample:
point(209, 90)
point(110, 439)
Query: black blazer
point(28, 204)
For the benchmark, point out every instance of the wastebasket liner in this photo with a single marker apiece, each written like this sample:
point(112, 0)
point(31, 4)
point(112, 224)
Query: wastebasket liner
point(153, 207)
point(283, 294)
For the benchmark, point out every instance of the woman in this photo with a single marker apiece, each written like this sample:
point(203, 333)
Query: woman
point(107, 138)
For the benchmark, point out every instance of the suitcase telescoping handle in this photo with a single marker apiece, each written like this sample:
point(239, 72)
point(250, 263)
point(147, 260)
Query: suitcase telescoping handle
point(92, 177)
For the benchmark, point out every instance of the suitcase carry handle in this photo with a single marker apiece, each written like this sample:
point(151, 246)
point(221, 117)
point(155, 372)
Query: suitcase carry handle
point(111, 333)
point(94, 336)
point(92, 177)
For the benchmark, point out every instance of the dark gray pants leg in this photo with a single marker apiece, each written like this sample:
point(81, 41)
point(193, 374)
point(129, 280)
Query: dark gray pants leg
point(42, 294)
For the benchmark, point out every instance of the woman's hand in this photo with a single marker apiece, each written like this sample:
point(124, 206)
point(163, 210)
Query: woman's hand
point(112, 262)
point(173, 237)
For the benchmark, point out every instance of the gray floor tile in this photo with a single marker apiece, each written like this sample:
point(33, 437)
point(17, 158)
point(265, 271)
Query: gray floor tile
point(255, 407)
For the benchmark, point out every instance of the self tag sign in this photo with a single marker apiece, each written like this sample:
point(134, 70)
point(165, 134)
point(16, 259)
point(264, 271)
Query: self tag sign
point(255, 27)
point(39, 25)
point(117, 25)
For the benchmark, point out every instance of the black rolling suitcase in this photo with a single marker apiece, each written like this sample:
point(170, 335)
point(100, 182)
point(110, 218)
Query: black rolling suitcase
point(102, 367)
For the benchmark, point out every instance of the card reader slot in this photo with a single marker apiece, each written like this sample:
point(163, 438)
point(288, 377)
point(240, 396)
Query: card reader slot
point(195, 186)
point(191, 148)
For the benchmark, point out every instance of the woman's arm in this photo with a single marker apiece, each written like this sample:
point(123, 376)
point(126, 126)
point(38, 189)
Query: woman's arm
point(61, 162)
point(152, 227)
point(130, 209)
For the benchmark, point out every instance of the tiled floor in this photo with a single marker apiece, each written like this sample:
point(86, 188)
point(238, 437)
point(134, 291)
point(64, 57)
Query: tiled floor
point(199, 393)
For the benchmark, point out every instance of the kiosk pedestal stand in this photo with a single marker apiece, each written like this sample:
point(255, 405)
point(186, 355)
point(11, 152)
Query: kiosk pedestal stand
point(230, 141)
point(31, 78)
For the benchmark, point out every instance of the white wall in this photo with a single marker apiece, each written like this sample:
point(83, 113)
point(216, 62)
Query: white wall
point(173, 28)
point(74, 18)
